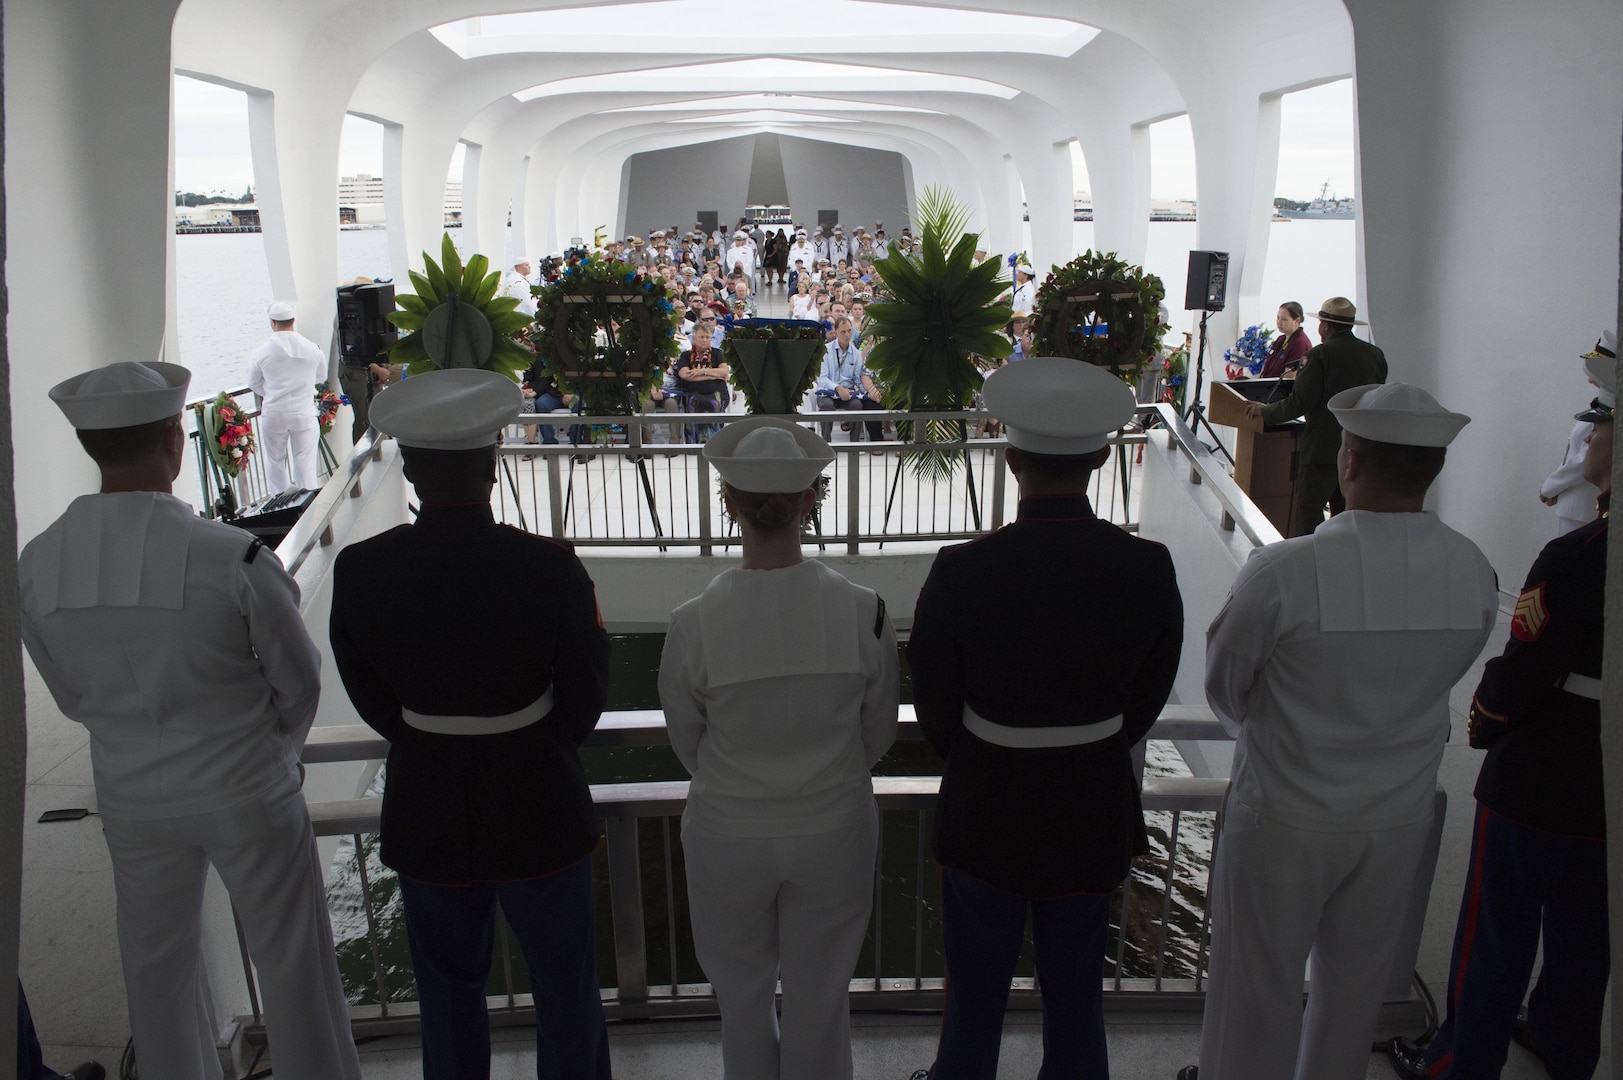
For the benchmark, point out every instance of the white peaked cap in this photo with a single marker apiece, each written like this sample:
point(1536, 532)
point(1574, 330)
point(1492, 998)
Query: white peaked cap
point(521, 260)
point(281, 311)
point(1054, 405)
point(1396, 413)
point(122, 395)
point(766, 454)
point(454, 409)
point(1602, 370)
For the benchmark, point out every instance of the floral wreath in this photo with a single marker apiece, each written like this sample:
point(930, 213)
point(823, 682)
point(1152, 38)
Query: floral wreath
point(1102, 310)
point(327, 402)
point(230, 435)
point(760, 386)
point(1249, 353)
point(606, 331)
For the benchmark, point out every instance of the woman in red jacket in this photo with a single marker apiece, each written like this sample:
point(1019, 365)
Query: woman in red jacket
point(1290, 344)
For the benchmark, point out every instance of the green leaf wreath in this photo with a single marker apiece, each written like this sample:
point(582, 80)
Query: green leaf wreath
point(1072, 306)
point(456, 320)
point(773, 361)
point(606, 331)
point(936, 330)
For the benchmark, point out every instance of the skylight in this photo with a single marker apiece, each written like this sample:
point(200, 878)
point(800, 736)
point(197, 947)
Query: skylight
point(766, 116)
point(803, 76)
point(691, 26)
point(772, 101)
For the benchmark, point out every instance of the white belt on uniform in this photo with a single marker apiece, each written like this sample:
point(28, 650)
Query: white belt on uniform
point(481, 725)
point(1031, 738)
point(1582, 685)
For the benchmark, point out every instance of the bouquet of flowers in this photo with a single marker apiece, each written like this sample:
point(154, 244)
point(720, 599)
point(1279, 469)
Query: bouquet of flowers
point(1174, 374)
point(230, 435)
point(1246, 356)
point(327, 403)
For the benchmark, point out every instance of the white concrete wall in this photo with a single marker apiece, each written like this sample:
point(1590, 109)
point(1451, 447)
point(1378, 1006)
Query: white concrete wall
point(864, 185)
point(1489, 147)
point(668, 186)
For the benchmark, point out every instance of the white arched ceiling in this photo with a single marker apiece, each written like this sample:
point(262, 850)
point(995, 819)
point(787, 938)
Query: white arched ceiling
point(378, 57)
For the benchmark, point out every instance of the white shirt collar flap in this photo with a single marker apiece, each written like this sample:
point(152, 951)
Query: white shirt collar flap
point(1395, 572)
point(121, 550)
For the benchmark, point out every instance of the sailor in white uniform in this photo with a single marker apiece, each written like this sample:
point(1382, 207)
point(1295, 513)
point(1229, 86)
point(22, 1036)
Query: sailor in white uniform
point(516, 283)
point(283, 373)
point(1565, 488)
point(1025, 290)
point(179, 645)
point(780, 687)
point(1331, 663)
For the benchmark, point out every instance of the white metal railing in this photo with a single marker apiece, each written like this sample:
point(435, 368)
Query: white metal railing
point(634, 492)
point(249, 485)
point(1151, 959)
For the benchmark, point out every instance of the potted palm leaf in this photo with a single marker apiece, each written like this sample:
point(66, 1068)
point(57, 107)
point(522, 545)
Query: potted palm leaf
point(935, 330)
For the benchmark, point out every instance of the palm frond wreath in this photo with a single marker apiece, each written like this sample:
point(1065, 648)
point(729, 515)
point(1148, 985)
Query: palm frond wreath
point(935, 330)
point(456, 320)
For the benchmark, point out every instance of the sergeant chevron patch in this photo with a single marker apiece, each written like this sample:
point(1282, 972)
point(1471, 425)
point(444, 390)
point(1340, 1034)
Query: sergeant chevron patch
point(1531, 616)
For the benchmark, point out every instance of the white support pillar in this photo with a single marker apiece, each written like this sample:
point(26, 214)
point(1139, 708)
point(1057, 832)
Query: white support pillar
point(394, 200)
point(92, 133)
point(471, 153)
point(1118, 156)
point(518, 199)
point(268, 192)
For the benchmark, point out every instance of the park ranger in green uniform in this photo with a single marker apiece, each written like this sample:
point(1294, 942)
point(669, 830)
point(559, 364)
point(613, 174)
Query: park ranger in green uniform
point(1339, 362)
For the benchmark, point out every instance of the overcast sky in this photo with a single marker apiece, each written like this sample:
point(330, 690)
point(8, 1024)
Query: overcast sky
point(1315, 144)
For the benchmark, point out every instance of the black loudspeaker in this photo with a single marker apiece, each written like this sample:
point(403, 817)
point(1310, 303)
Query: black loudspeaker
point(1208, 281)
point(709, 221)
point(364, 329)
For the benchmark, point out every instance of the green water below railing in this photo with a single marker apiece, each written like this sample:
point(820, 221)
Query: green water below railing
point(909, 895)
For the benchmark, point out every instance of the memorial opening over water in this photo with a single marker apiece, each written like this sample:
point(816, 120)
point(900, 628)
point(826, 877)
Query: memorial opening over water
point(700, 255)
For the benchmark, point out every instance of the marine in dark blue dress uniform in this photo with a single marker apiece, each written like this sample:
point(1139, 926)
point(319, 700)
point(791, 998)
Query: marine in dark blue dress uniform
point(1538, 850)
point(485, 799)
point(1039, 809)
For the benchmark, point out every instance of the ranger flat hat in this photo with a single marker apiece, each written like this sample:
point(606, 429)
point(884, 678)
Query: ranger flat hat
point(766, 454)
point(1398, 413)
point(122, 395)
point(1340, 310)
point(453, 409)
point(1601, 367)
point(281, 311)
point(1055, 405)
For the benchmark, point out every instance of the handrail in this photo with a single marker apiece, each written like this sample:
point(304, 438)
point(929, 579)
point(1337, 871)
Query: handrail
point(1238, 510)
point(646, 727)
point(314, 527)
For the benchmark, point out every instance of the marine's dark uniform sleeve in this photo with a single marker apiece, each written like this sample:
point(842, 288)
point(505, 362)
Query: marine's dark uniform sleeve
point(1152, 683)
point(1306, 392)
point(1552, 633)
point(371, 694)
point(934, 661)
point(580, 683)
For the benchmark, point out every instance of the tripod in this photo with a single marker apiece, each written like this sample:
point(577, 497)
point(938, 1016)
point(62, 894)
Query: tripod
point(1197, 412)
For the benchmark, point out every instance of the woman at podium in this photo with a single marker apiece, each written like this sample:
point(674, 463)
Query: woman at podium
point(1289, 345)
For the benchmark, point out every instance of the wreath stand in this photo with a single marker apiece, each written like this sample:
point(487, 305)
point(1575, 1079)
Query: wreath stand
point(597, 300)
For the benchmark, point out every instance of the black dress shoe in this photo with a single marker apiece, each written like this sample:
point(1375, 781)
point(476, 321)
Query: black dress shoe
point(1521, 1033)
point(920, 1074)
point(90, 1070)
point(1408, 1060)
point(1189, 1072)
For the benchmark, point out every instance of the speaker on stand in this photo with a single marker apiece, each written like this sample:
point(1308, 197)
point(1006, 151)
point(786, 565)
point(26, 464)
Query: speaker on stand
point(1205, 291)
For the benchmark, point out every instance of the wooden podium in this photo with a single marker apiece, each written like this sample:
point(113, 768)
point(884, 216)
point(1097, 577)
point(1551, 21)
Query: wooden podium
point(1265, 458)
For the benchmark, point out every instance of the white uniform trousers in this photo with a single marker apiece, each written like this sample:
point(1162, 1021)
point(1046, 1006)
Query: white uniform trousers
point(793, 908)
point(267, 858)
point(289, 442)
point(1277, 894)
